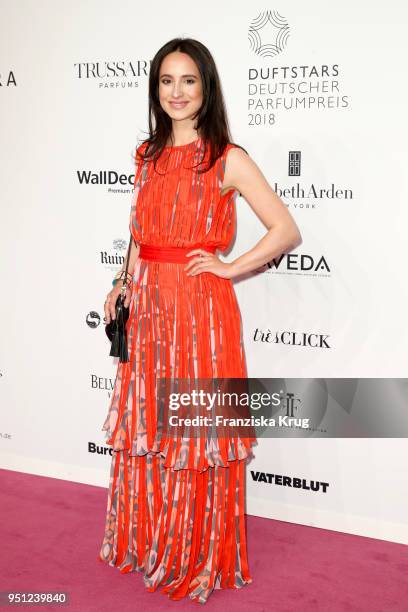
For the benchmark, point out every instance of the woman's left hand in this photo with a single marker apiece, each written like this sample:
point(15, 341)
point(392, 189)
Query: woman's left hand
point(207, 262)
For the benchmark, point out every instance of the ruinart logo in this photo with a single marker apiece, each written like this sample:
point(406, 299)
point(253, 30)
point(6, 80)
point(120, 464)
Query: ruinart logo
point(290, 481)
point(113, 259)
point(119, 244)
point(268, 34)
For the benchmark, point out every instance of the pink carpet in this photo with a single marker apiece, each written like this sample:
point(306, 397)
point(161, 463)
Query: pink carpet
point(52, 531)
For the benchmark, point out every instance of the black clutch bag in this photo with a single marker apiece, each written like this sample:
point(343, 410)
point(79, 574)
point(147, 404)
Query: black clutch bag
point(116, 328)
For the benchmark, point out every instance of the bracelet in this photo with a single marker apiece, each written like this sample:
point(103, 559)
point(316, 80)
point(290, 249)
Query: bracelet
point(129, 279)
point(121, 275)
point(115, 280)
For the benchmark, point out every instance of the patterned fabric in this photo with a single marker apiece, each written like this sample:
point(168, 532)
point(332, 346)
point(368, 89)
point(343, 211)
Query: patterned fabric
point(176, 506)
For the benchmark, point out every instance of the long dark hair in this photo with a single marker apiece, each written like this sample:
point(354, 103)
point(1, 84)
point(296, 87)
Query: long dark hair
point(212, 121)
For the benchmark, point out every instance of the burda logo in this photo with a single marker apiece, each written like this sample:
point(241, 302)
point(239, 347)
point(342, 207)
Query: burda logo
point(268, 34)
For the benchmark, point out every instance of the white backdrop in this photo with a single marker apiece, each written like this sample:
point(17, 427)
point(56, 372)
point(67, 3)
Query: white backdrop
point(65, 119)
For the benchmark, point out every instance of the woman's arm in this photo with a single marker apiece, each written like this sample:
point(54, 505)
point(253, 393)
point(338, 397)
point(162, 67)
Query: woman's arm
point(283, 235)
point(133, 256)
point(109, 305)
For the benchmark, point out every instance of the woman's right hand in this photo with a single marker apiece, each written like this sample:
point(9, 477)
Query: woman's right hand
point(109, 305)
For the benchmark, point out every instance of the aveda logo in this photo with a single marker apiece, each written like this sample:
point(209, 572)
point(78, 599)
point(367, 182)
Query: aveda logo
point(297, 263)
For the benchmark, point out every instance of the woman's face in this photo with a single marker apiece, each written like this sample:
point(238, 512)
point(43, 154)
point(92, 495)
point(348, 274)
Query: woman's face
point(180, 86)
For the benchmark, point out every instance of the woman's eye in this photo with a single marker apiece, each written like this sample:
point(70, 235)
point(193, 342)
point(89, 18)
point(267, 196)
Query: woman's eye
point(166, 81)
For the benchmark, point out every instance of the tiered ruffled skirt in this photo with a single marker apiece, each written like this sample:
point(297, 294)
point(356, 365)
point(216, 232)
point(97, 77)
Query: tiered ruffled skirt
point(176, 506)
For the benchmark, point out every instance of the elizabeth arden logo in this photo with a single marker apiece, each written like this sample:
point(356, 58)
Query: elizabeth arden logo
point(294, 163)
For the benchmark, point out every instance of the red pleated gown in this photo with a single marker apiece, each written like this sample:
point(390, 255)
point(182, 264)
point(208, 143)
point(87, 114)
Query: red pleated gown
point(176, 510)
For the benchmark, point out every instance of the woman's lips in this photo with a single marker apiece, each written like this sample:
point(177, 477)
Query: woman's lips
point(178, 104)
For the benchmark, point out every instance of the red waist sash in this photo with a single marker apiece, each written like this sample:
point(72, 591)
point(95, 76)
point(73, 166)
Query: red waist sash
point(171, 254)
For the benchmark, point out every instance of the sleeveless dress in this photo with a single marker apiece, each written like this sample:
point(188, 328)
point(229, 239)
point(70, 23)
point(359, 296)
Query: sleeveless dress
point(175, 512)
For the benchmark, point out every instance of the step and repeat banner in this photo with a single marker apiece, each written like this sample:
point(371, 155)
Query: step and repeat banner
point(316, 95)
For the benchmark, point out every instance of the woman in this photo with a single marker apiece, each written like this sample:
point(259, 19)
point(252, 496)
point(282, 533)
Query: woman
point(176, 507)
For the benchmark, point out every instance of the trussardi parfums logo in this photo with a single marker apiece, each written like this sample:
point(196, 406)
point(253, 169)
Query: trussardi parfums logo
point(113, 74)
point(268, 34)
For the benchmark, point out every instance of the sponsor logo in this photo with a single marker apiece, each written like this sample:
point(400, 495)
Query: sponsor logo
point(290, 481)
point(93, 319)
point(96, 449)
point(298, 264)
point(292, 338)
